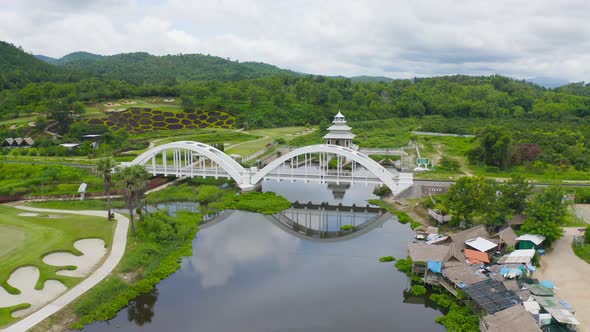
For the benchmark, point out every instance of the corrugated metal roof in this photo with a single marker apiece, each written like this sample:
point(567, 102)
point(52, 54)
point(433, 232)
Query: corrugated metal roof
point(534, 238)
point(481, 244)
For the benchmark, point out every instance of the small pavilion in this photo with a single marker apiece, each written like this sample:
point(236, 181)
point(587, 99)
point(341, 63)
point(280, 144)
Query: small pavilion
point(339, 133)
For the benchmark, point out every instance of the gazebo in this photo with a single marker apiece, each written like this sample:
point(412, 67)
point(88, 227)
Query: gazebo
point(339, 133)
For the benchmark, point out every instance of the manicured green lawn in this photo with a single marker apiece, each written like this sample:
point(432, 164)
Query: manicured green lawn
point(33, 237)
point(262, 137)
point(89, 204)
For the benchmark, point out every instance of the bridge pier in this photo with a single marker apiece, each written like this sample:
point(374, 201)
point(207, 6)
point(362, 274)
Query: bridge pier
point(247, 187)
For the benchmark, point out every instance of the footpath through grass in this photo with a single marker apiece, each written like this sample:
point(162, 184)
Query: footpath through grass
point(26, 240)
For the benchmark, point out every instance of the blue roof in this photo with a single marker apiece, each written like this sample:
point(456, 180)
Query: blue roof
point(434, 266)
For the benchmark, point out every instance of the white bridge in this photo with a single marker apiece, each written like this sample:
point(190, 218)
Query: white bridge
point(310, 163)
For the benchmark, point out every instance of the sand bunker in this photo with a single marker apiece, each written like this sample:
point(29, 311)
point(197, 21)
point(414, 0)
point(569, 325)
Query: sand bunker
point(129, 102)
point(169, 100)
point(27, 214)
point(93, 251)
point(24, 279)
point(32, 124)
point(112, 104)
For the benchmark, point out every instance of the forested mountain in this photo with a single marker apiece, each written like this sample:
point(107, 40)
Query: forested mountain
point(274, 97)
point(366, 79)
point(45, 58)
point(143, 68)
point(77, 56)
point(18, 68)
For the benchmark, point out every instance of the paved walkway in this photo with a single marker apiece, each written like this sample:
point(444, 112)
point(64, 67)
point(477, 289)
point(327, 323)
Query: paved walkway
point(115, 255)
point(570, 274)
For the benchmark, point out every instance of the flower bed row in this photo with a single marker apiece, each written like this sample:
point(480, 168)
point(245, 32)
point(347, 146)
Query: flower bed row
point(139, 120)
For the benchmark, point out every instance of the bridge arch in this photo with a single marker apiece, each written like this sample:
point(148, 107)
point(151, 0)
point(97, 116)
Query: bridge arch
point(227, 163)
point(372, 166)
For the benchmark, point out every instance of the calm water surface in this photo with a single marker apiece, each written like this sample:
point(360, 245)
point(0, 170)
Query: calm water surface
point(246, 274)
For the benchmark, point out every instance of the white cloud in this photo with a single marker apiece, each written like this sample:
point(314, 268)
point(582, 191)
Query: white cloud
point(396, 38)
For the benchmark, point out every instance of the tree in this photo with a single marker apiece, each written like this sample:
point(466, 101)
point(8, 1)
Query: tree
point(134, 179)
point(546, 213)
point(208, 194)
point(515, 192)
point(470, 197)
point(495, 147)
point(381, 191)
point(105, 167)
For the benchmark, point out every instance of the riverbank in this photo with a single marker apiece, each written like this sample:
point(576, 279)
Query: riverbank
point(156, 252)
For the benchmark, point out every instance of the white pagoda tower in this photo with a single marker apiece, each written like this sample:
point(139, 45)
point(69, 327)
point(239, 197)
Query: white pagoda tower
point(339, 133)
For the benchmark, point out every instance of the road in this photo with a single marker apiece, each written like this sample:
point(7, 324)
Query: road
point(570, 273)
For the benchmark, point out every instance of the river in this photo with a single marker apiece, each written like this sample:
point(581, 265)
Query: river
point(248, 274)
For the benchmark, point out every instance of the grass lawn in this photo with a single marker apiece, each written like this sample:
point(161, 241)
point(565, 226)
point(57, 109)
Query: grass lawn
point(571, 220)
point(89, 204)
point(157, 104)
point(267, 136)
point(33, 237)
point(582, 251)
point(20, 121)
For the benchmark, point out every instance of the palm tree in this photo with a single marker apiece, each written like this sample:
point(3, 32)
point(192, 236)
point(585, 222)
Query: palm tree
point(135, 180)
point(105, 167)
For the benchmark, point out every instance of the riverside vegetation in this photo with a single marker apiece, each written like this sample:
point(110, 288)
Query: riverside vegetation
point(161, 243)
point(457, 315)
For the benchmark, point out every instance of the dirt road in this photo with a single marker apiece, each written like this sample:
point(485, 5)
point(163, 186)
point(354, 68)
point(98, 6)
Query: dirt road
point(570, 274)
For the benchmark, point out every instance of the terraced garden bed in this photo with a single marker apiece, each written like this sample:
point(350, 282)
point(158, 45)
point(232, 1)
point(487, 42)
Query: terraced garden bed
point(138, 120)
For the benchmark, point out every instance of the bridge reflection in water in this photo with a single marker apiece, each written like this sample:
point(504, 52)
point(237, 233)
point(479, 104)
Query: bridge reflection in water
point(309, 221)
point(326, 222)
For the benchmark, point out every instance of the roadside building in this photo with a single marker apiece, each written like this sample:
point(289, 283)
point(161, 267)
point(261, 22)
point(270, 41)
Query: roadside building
point(457, 241)
point(505, 238)
point(421, 253)
point(529, 241)
point(70, 146)
point(492, 296)
point(18, 142)
point(8, 142)
point(513, 319)
point(462, 275)
point(517, 221)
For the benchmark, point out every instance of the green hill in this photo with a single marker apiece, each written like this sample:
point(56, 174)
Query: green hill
point(368, 79)
point(19, 68)
point(77, 57)
point(143, 68)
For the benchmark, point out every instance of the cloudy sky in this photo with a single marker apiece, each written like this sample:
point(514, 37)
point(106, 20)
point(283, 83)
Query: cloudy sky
point(391, 38)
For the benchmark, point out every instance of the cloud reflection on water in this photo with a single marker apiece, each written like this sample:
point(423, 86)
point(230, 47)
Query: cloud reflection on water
point(218, 254)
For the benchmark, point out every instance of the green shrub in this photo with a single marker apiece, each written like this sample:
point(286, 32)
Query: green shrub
point(265, 203)
point(418, 290)
point(459, 318)
point(101, 293)
point(443, 300)
point(404, 265)
point(387, 259)
point(346, 227)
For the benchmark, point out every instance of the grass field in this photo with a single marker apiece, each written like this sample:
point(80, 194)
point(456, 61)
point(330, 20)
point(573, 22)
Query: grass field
point(267, 136)
point(153, 103)
point(88, 204)
point(30, 238)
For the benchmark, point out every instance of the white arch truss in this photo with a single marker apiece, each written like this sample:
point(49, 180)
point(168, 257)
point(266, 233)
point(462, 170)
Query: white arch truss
point(372, 166)
point(250, 179)
point(228, 164)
